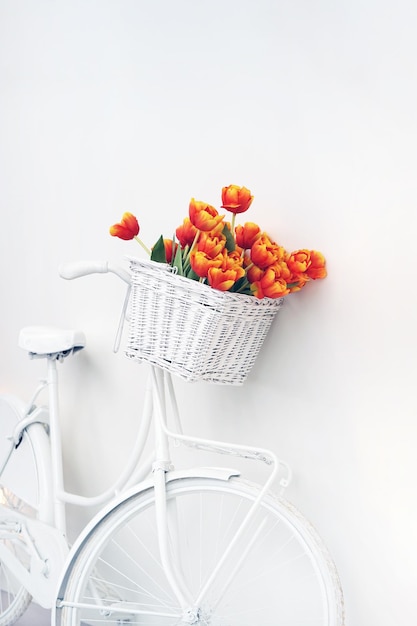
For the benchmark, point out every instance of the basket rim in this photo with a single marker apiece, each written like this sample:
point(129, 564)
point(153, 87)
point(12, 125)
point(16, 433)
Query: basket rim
point(170, 273)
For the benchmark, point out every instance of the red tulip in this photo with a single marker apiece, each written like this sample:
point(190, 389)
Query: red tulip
point(127, 228)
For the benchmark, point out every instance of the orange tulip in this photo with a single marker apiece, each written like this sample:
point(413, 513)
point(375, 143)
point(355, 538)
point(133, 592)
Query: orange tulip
point(271, 285)
point(247, 234)
point(201, 262)
point(236, 199)
point(317, 268)
point(204, 216)
point(211, 245)
point(232, 260)
point(254, 273)
point(284, 271)
point(224, 280)
point(299, 261)
point(127, 228)
point(280, 269)
point(264, 252)
point(186, 233)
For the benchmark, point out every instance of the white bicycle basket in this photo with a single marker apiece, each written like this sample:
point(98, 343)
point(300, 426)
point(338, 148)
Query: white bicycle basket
point(192, 330)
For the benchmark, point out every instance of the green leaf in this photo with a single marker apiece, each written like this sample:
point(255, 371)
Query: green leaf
point(192, 275)
point(177, 262)
point(241, 286)
point(158, 251)
point(230, 241)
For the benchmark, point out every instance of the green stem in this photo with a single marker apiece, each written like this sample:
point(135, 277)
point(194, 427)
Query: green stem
point(192, 246)
point(143, 245)
point(233, 224)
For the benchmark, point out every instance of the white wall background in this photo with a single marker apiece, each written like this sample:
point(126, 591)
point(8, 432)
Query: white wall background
point(107, 106)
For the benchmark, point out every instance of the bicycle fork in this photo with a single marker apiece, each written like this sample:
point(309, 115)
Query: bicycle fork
point(167, 521)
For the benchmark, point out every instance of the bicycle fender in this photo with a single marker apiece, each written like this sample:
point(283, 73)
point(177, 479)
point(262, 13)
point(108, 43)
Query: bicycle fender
point(221, 473)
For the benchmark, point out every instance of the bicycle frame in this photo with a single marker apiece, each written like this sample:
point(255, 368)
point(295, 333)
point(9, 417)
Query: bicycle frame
point(159, 389)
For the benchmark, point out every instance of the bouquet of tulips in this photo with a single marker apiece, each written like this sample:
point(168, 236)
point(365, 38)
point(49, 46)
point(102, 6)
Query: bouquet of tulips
point(240, 259)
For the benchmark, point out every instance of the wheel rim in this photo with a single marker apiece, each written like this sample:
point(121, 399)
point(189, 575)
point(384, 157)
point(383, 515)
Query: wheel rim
point(280, 580)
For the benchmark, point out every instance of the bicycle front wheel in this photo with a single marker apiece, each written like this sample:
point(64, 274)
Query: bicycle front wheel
point(278, 574)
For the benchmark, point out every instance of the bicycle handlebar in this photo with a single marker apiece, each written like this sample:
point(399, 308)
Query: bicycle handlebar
point(76, 269)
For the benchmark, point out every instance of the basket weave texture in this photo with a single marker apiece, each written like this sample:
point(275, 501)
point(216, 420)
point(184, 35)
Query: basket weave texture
point(192, 330)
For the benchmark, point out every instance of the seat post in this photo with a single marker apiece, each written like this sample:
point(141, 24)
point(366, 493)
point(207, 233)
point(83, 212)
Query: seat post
point(56, 444)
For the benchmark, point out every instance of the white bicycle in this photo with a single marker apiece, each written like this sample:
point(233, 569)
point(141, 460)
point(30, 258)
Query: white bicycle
point(199, 546)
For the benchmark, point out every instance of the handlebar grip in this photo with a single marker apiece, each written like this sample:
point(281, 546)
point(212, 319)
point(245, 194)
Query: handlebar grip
point(76, 269)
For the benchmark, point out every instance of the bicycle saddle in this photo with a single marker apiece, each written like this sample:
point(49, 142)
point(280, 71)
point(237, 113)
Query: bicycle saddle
point(47, 340)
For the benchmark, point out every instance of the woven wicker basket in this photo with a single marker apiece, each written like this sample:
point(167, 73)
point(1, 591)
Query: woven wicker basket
point(192, 330)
